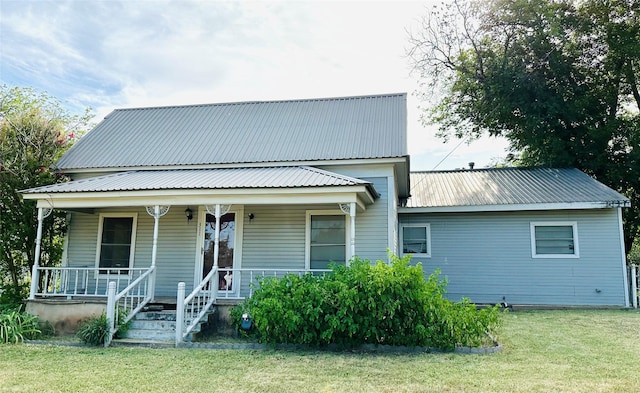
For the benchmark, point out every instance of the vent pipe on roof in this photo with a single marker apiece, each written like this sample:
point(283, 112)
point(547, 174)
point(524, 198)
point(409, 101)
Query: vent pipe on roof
point(471, 165)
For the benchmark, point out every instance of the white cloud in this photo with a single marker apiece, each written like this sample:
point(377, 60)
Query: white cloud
point(119, 54)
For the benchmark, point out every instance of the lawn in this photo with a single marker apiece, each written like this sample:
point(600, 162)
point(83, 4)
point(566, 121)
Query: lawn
point(543, 351)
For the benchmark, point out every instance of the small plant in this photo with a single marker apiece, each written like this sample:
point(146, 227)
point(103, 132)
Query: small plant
point(94, 330)
point(16, 326)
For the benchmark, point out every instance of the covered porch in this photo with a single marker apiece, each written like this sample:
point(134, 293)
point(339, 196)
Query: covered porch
point(195, 235)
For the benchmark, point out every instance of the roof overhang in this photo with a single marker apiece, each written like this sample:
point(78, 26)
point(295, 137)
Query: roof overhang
point(520, 207)
point(291, 185)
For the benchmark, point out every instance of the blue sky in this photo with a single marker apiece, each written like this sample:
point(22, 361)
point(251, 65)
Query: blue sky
point(115, 54)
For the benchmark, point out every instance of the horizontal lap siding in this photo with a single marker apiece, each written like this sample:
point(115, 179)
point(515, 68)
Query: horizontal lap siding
point(176, 245)
point(487, 256)
point(372, 225)
point(275, 238)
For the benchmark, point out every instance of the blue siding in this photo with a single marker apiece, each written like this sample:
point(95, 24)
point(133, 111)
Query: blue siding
point(487, 257)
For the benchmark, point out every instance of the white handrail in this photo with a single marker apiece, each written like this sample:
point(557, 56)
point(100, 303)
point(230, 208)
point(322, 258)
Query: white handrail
point(188, 310)
point(136, 295)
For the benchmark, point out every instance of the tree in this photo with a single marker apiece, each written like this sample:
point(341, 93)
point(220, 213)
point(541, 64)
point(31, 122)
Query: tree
point(558, 79)
point(34, 132)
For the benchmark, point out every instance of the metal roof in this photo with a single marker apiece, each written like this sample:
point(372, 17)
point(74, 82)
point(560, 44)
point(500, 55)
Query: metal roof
point(245, 132)
point(508, 186)
point(182, 179)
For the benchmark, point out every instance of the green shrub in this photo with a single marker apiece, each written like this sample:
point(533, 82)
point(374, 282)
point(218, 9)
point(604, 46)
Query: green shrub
point(12, 298)
point(16, 326)
point(94, 330)
point(364, 303)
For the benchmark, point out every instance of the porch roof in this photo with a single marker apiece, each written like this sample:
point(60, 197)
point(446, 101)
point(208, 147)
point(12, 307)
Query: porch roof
point(191, 182)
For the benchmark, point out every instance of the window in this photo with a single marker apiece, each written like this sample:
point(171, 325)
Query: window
point(554, 240)
point(116, 242)
point(326, 239)
point(415, 239)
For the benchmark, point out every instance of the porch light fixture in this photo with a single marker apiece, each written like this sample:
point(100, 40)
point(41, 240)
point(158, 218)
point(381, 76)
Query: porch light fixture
point(251, 216)
point(189, 214)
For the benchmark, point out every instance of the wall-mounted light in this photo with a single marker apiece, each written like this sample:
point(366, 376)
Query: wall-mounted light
point(189, 214)
point(251, 217)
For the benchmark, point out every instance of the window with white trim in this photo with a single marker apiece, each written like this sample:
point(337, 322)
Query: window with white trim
point(327, 233)
point(415, 239)
point(554, 239)
point(116, 242)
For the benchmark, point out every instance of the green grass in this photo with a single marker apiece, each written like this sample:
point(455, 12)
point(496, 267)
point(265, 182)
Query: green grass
point(544, 351)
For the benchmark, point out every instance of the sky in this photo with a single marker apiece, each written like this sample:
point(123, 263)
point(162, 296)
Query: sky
point(120, 54)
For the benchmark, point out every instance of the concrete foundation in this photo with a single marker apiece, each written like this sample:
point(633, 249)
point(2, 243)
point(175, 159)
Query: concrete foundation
point(65, 315)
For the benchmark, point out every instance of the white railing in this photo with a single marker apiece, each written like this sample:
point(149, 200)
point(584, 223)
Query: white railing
point(191, 309)
point(240, 283)
point(124, 305)
point(81, 281)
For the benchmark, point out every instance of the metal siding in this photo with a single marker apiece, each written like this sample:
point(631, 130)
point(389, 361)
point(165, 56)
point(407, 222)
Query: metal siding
point(277, 131)
point(506, 186)
point(486, 256)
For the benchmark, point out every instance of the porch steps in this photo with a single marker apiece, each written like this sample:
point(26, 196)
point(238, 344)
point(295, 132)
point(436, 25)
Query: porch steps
point(155, 329)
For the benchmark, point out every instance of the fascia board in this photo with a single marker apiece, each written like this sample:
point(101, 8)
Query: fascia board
point(319, 163)
point(359, 195)
point(498, 208)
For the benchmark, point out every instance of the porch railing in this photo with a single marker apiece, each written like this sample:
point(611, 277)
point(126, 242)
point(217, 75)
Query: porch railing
point(81, 281)
point(241, 282)
point(124, 305)
point(191, 309)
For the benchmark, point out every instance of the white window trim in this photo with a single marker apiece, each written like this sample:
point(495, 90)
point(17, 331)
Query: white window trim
point(415, 225)
point(576, 248)
point(347, 235)
point(134, 227)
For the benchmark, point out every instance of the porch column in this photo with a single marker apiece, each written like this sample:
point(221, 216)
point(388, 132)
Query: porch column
point(42, 214)
point(156, 212)
point(350, 209)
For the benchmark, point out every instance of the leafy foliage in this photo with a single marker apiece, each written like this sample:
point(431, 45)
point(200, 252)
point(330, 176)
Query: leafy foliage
point(16, 326)
point(559, 79)
point(11, 297)
point(94, 330)
point(363, 303)
point(34, 132)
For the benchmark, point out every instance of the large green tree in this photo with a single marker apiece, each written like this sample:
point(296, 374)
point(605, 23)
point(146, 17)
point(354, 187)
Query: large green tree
point(35, 130)
point(559, 79)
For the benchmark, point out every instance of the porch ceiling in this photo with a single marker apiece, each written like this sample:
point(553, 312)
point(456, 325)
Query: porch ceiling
point(294, 184)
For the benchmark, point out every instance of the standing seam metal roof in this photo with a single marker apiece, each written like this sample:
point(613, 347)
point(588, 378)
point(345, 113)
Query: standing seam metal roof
point(246, 132)
point(231, 178)
point(507, 186)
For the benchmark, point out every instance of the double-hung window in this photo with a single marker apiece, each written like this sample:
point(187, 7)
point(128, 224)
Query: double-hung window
point(415, 239)
point(554, 239)
point(116, 242)
point(326, 239)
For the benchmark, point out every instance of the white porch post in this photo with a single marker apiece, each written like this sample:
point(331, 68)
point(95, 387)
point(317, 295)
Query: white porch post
point(156, 212)
point(352, 214)
point(216, 238)
point(350, 209)
point(42, 214)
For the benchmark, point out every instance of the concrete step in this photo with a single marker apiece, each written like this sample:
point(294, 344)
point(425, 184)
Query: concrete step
point(137, 342)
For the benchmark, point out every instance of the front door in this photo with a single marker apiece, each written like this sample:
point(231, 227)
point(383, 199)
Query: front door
point(226, 249)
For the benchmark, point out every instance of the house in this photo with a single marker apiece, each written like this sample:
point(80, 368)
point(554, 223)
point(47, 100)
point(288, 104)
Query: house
point(194, 202)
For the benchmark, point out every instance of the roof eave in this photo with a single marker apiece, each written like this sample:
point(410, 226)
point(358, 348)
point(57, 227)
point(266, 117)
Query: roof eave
point(519, 207)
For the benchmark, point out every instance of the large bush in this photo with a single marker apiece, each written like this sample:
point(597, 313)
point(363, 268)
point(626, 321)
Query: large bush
point(364, 303)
